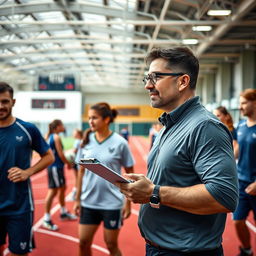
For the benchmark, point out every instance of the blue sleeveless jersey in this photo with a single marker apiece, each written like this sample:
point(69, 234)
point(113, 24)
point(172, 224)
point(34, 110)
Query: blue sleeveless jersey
point(17, 142)
point(58, 162)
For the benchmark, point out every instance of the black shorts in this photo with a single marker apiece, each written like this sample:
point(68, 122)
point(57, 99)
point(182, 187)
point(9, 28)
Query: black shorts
point(56, 178)
point(112, 218)
point(246, 203)
point(19, 231)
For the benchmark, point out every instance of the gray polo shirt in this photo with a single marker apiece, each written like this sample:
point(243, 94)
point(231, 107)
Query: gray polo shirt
point(194, 147)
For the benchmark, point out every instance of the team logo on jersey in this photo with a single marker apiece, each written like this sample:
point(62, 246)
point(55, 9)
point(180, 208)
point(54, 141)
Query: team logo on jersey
point(111, 150)
point(239, 133)
point(254, 135)
point(112, 223)
point(19, 138)
point(23, 245)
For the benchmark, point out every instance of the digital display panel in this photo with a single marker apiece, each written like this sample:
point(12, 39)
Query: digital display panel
point(56, 82)
point(128, 111)
point(48, 104)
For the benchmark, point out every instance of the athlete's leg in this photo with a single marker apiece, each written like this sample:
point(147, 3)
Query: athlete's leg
point(20, 234)
point(111, 240)
point(49, 198)
point(86, 233)
point(243, 233)
point(240, 215)
point(62, 195)
point(112, 224)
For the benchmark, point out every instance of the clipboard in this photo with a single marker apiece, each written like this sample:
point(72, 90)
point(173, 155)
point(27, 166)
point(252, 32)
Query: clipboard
point(102, 170)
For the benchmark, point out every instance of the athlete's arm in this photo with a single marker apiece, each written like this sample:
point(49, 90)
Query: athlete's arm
point(58, 145)
point(236, 148)
point(194, 199)
point(16, 174)
point(77, 203)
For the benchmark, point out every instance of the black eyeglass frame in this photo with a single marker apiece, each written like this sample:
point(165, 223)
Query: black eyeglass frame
point(149, 76)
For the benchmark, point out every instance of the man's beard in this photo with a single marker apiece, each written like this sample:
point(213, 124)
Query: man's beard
point(4, 117)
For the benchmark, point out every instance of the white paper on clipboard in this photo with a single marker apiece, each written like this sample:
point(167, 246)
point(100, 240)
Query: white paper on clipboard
point(102, 170)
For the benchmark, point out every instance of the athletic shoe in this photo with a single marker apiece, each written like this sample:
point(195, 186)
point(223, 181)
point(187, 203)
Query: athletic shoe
point(68, 216)
point(245, 252)
point(49, 225)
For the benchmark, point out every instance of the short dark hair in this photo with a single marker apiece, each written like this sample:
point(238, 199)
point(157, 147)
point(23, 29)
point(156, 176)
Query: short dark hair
point(4, 87)
point(179, 59)
point(249, 94)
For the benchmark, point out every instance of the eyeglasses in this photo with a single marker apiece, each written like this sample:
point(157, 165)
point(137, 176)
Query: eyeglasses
point(153, 77)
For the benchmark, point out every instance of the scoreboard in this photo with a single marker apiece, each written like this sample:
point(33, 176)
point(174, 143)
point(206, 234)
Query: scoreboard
point(48, 103)
point(56, 82)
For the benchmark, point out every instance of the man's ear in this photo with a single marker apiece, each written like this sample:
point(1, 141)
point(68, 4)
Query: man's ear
point(184, 82)
point(13, 102)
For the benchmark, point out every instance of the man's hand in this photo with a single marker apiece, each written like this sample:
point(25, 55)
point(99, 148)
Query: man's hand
point(138, 191)
point(251, 189)
point(16, 174)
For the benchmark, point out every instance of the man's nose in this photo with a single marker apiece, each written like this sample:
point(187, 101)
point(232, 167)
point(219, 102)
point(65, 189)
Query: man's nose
point(149, 84)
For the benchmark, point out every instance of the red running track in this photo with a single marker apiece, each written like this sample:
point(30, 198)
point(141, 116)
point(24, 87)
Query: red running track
point(65, 241)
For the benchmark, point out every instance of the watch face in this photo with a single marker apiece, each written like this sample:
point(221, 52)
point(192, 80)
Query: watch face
point(154, 199)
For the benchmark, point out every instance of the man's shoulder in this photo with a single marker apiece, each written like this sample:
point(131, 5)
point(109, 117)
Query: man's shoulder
point(242, 123)
point(24, 123)
point(27, 126)
point(200, 115)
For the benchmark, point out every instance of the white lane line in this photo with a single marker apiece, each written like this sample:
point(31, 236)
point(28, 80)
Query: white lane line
point(6, 251)
point(54, 210)
point(40, 221)
point(70, 238)
point(251, 226)
point(140, 148)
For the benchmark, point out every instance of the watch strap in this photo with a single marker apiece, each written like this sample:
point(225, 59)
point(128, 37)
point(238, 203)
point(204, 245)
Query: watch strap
point(156, 190)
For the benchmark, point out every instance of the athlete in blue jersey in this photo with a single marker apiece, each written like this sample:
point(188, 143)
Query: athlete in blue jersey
point(56, 178)
point(246, 167)
point(18, 139)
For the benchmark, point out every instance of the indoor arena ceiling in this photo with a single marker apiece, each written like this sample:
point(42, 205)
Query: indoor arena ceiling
point(104, 42)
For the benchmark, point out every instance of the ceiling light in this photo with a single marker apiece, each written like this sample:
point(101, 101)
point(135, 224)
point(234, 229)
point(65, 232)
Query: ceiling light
point(219, 12)
point(190, 41)
point(202, 28)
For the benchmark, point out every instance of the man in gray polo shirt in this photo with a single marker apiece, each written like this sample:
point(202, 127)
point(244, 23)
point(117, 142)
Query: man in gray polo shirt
point(191, 182)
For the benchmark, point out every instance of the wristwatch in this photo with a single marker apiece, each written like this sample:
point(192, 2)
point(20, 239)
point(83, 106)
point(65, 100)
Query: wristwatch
point(155, 199)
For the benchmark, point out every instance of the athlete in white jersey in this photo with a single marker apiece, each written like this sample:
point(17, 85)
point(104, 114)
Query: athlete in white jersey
point(97, 199)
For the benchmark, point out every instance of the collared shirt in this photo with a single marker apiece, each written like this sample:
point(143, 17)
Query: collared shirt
point(194, 147)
